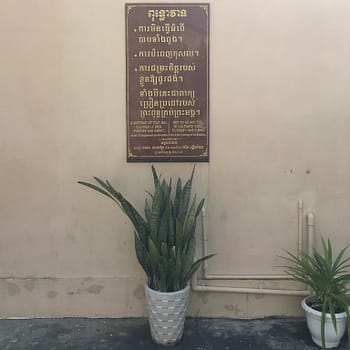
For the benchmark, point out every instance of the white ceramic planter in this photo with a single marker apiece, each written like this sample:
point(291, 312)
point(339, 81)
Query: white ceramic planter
point(313, 319)
point(166, 314)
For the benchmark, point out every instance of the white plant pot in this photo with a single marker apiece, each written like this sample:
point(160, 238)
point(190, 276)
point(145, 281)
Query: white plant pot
point(166, 314)
point(313, 319)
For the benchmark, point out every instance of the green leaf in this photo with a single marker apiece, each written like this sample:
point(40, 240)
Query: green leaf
point(153, 254)
point(327, 277)
point(155, 214)
point(179, 235)
point(165, 237)
point(185, 198)
point(141, 252)
point(155, 177)
point(178, 196)
point(195, 266)
point(148, 212)
point(171, 226)
point(98, 189)
point(190, 223)
point(199, 208)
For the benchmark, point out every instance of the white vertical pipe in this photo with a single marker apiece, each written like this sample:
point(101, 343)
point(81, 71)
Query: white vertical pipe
point(310, 230)
point(310, 218)
point(204, 239)
point(300, 226)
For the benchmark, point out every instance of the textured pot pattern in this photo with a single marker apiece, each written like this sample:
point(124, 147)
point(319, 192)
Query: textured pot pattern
point(313, 319)
point(166, 314)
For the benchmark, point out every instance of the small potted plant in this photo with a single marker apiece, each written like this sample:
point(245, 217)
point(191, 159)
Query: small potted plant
point(327, 308)
point(165, 247)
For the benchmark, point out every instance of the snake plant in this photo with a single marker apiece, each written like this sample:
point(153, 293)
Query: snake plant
point(328, 278)
point(165, 235)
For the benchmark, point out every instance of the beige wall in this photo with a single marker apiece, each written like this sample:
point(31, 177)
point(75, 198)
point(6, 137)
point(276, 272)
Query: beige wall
point(279, 115)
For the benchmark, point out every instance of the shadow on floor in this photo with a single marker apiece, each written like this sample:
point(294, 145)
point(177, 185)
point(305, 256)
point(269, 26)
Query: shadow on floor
point(133, 334)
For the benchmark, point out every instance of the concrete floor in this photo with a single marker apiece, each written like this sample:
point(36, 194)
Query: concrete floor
point(133, 334)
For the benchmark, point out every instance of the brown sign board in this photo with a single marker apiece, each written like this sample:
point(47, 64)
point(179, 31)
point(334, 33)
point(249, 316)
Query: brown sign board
point(167, 82)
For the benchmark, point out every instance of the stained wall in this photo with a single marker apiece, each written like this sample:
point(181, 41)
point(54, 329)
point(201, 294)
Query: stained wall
point(279, 125)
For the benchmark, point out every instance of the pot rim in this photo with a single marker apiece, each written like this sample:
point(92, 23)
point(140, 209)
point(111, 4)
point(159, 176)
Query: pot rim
point(184, 290)
point(312, 311)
